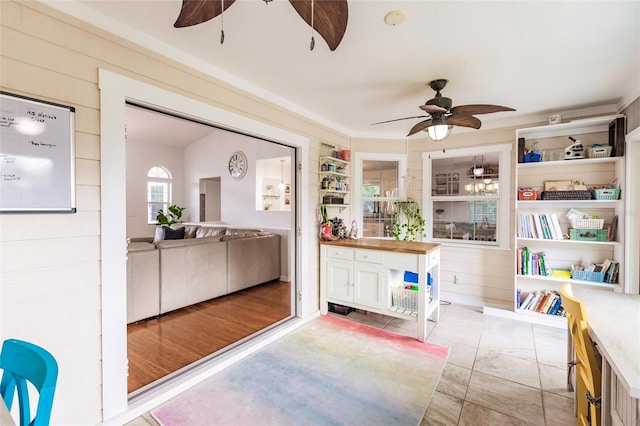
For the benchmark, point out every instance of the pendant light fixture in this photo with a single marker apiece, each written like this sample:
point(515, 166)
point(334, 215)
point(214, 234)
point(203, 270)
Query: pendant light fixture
point(281, 185)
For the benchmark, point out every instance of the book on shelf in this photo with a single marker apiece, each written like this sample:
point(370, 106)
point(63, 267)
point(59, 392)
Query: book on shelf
point(532, 263)
point(611, 269)
point(526, 301)
point(539, 226)
point(547, 302)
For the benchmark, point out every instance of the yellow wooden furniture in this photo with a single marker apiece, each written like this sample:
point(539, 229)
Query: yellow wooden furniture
point(588, 370)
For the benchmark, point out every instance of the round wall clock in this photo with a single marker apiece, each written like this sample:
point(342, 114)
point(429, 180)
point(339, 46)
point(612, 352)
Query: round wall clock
point(238, 165)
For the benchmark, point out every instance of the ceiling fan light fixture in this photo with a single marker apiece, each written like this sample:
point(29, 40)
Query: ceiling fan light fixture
point(438, 132)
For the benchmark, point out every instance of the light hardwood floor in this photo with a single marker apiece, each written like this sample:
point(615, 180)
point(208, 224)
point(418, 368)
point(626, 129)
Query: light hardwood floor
point(163, 345)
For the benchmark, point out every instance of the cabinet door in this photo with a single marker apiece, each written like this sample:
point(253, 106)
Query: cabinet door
point(369, 284)
point(340, 280)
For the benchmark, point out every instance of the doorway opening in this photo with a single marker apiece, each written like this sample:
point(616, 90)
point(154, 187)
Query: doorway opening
point(174, 339)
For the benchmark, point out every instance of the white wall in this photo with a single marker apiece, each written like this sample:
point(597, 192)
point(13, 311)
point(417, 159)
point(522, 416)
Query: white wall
point(141, 157)
point(209, 157)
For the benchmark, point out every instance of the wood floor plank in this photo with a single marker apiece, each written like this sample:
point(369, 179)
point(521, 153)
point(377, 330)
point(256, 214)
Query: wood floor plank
point(162, 345)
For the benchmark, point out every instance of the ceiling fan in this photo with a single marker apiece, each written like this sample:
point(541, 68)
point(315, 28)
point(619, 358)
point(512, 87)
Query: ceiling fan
point(327, 17)
point(440, 113)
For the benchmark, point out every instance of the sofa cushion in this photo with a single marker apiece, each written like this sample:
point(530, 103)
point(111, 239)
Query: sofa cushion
point(189, 230)
point(139, 246)
point(164, 244)
point(210, 231)
point(246, 233)
point(172, 234)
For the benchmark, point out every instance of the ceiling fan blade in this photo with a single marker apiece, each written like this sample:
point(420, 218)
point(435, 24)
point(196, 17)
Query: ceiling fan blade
point(479, 109)
point(195, 12)
point(398, 119)
point(464, 121)
point(432, 109)
point(420, 126)
point(329, 18)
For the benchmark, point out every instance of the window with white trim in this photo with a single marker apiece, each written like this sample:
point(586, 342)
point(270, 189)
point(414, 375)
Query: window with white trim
point(158, 192)
point(467, 192)
point(378, 184)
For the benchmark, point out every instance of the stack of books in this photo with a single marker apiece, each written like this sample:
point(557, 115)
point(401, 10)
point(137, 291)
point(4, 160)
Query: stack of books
point(544, 302)
point(540, 226)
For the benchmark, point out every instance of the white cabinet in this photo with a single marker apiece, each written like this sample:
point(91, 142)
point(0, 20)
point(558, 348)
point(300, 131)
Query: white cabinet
point(355, 277)
point(364, 273)
point(561, 253)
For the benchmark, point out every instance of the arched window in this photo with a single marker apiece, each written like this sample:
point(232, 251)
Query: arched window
point(158, 192)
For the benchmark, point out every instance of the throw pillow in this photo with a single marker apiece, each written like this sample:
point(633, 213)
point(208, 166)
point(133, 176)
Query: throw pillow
point(172, 234)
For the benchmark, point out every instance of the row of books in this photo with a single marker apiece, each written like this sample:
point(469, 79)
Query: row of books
point(611, 269)
point(544, 302)
point(539, 225)
point(532, 263)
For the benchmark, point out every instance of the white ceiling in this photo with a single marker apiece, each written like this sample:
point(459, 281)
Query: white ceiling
point(539, 57)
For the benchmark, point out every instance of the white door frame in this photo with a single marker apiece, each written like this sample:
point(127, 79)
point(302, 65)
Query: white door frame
point(115, 91)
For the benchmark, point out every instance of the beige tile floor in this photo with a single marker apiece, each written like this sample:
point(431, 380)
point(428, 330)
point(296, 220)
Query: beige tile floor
point(499, 371)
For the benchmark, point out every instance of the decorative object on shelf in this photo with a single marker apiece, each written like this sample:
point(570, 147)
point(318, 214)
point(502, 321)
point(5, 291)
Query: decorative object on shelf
point(238, 165)
point(484, 171)
point(345, 154)
point(173, 215)
point(327, 17)
point(408, 223)
point(555, 119)
point(574, 151)
point(441, 117)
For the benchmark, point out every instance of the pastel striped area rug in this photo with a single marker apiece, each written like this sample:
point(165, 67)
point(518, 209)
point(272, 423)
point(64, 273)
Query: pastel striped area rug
point(330, 371)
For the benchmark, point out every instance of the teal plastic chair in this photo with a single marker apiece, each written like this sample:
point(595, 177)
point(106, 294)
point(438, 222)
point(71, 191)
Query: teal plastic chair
point(21, 362)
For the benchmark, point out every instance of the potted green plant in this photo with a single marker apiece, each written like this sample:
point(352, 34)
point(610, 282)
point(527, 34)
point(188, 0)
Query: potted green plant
point(173, 215)
point(408, 223)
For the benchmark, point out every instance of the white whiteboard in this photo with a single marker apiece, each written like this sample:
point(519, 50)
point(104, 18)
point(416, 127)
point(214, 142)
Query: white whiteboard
point(37, 156)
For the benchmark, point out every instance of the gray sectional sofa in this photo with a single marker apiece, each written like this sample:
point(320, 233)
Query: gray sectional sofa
point(209, 262)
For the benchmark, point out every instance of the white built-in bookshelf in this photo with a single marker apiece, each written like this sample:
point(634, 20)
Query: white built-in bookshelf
point(559, 253)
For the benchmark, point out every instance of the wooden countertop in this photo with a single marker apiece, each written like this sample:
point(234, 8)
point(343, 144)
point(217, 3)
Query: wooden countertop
point(412, 247)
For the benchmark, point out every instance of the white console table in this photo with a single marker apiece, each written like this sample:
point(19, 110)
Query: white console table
point(362, 273)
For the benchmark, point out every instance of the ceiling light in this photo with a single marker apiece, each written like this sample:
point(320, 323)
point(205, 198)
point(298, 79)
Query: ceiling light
point(438, 130)
point(395, 17)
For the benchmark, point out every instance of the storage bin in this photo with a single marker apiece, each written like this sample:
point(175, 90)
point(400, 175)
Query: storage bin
point(406, 299)
point(588, 276)
point(532, 157)
point(526, 194)
point(587, 223)
point(602, 151)
point(606, 194)
point(588, 234)
point(566, 195)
